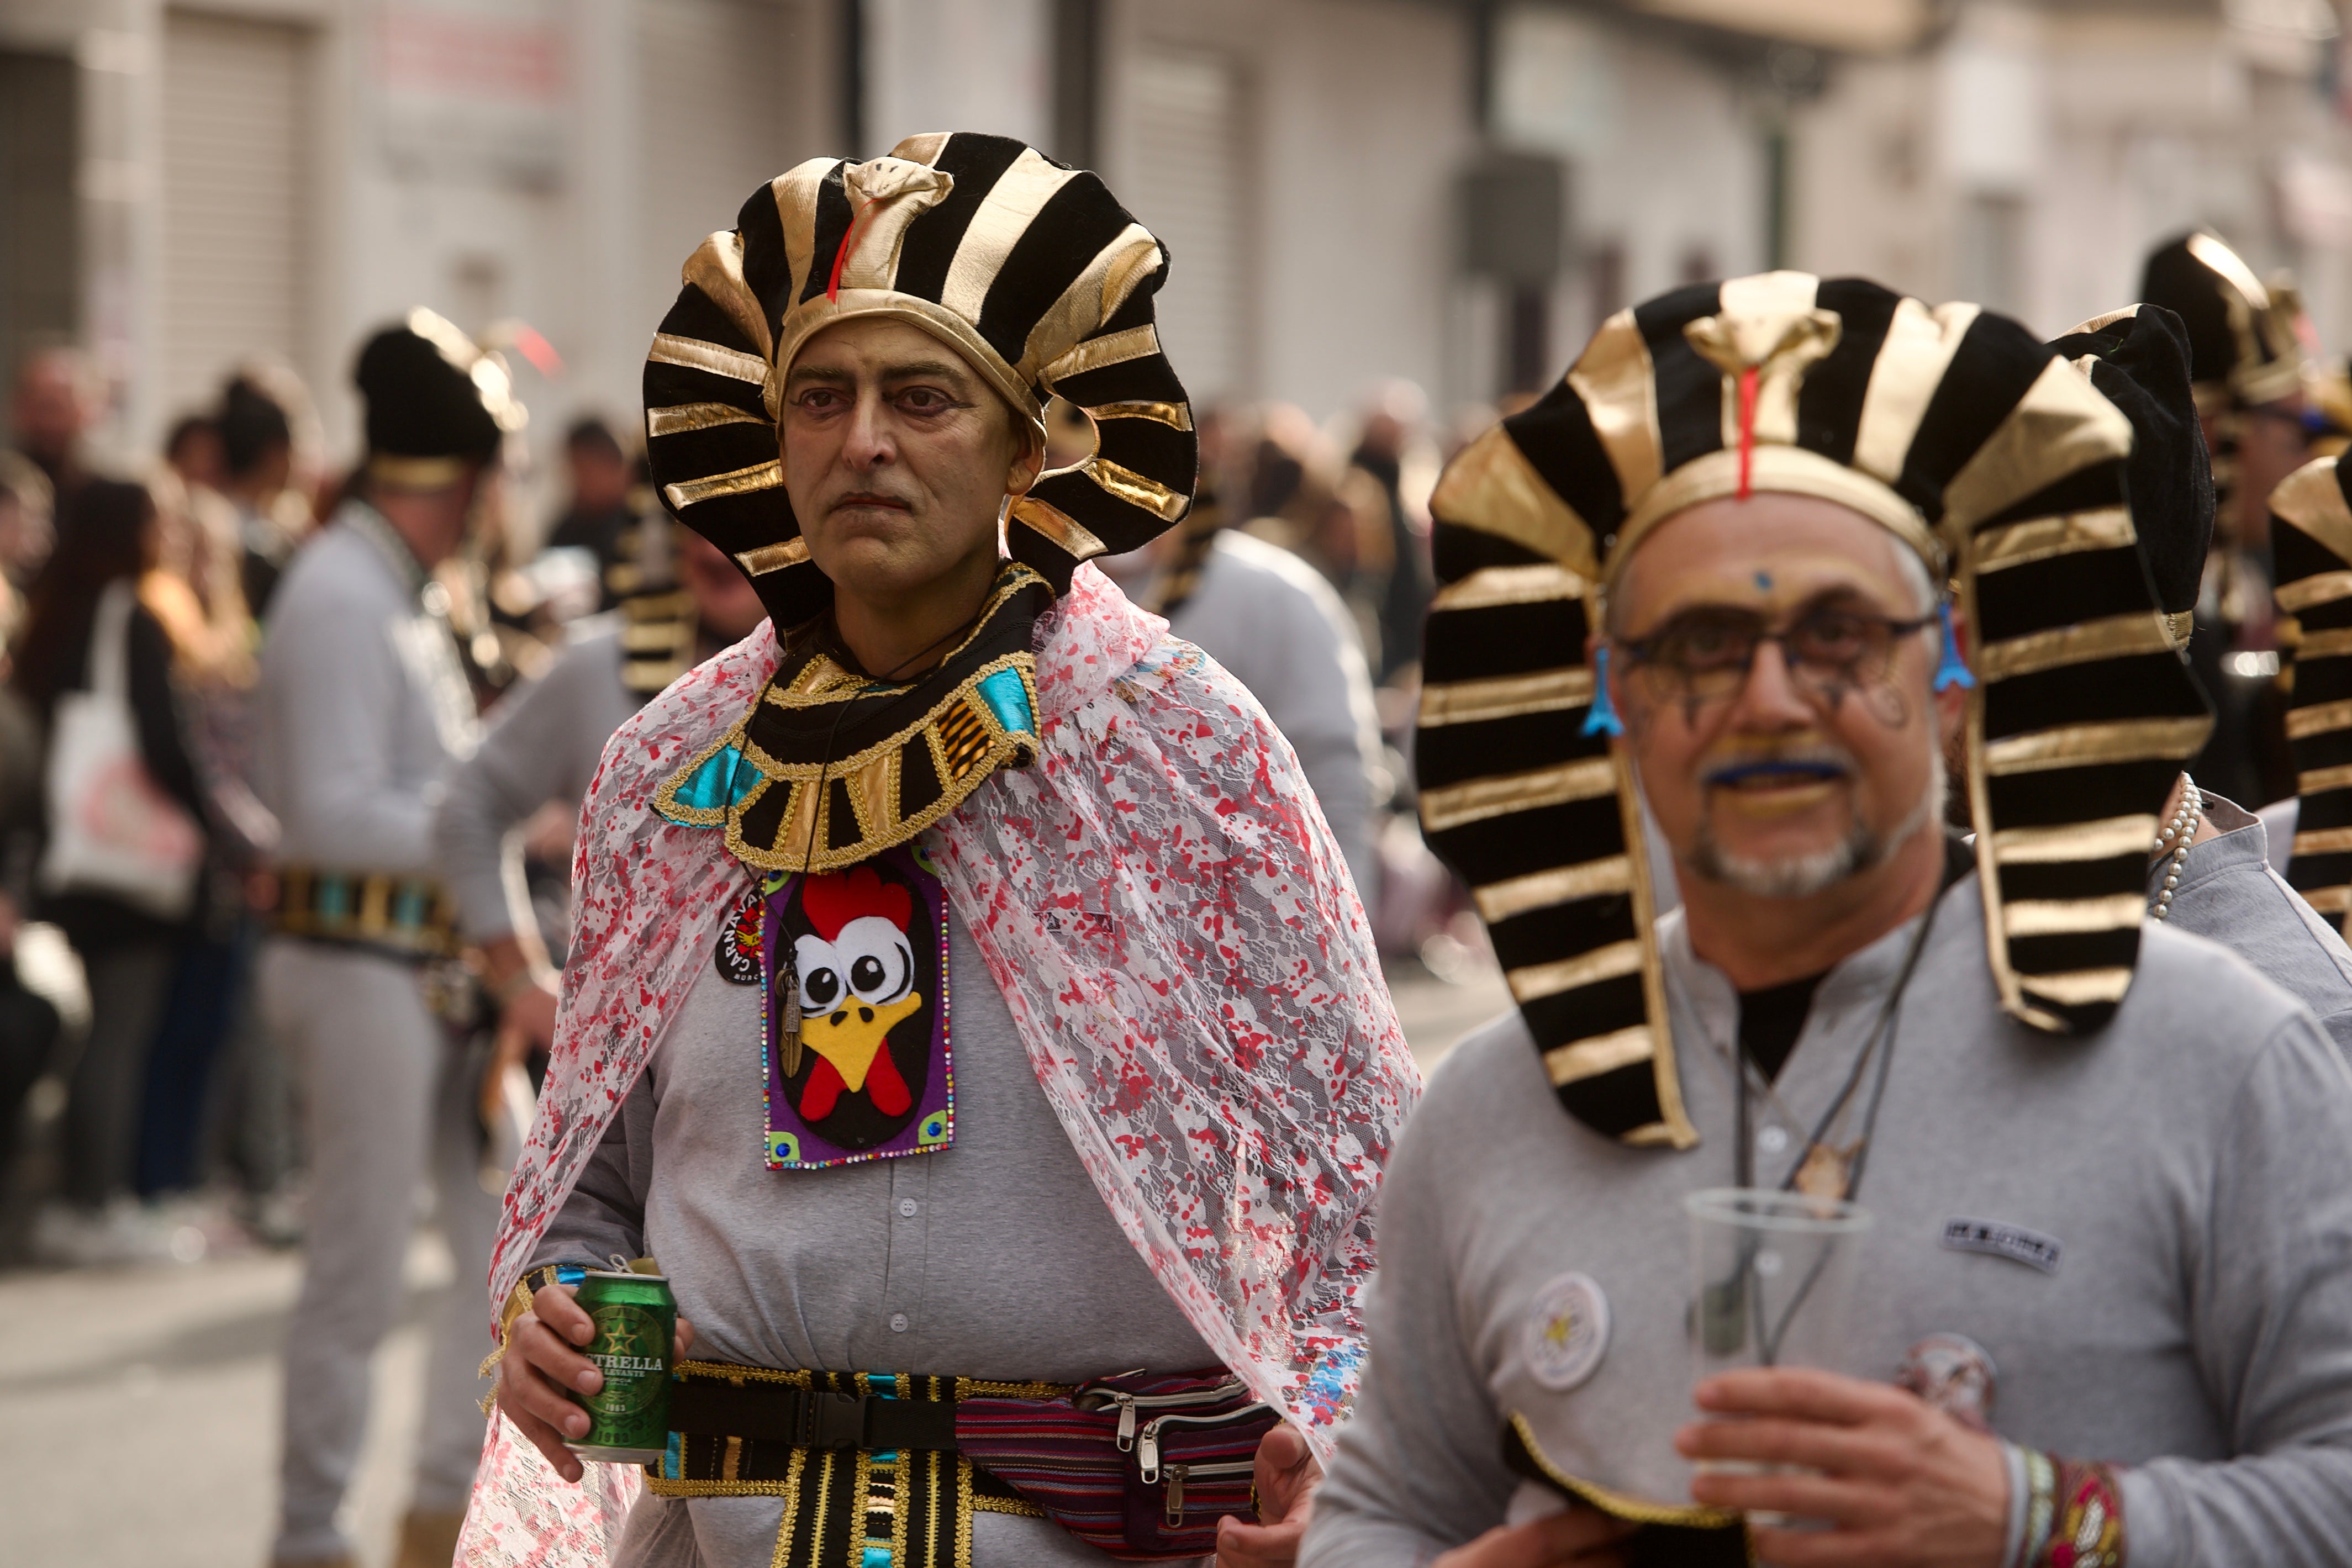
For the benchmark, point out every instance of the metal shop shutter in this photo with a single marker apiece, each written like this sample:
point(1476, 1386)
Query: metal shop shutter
point(1189, 191)
point(715, 102)
point(233, 277)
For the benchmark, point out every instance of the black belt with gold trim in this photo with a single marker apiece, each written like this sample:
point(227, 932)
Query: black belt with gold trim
point(403, 917)
point(864, 1462)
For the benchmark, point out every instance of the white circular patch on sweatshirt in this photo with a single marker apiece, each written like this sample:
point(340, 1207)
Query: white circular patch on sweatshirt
point(1568, 1332)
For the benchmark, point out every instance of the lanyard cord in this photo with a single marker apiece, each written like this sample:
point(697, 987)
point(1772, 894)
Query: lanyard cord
point(1884, 1030)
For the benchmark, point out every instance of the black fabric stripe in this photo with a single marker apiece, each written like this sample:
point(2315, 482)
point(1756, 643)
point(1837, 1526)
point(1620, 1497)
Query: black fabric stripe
point(2090, 489)
point(1602, 1007)
point(1829, 404)
point(2334, 615)
point(2298, 555)
point(1614, 1103)
point(2307, 873)
point(2067, 794)
point(665, 386)
point(1059, 244)
point(919, 778)
point(1558, 440)
point(2332, 749)
point(2145, 686)
point(696, 315)
point(2075, 879)
point(764, 819)
point(841, 829)
point(766, 267)
point(2074, 950)
point(2327, 809)
point(1563, 930)
point(1520, 841)
point(1460, 550)
point(1503, 640)
point(975, 163)
point(1455, 753)
point(832, 226)
point(1996, 362)
point(2322, 680)
point(720, 449)
point(2064, 590)
point(1152, 450)
point(742, 522)
point(1151, 379)
point(795, 595)
point(1689, 388)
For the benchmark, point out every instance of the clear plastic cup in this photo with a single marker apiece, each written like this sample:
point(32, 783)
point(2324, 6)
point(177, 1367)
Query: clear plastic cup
point(1772, 1284)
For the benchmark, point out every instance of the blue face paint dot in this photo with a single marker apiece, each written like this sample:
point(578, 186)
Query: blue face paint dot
point(1764, 582)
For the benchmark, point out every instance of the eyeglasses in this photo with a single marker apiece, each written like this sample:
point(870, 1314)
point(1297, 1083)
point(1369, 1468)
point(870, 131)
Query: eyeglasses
point(1705, 656)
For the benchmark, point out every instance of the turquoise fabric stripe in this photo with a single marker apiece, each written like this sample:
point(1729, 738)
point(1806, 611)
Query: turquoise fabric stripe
point(1010, 700)
point(718, 783)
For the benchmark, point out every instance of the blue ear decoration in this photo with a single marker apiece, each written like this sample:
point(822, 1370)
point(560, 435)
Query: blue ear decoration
point(1601, 718)
point(1953, 671)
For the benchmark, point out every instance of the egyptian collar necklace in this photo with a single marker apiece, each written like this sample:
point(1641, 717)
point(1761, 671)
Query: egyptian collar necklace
point(831, 767)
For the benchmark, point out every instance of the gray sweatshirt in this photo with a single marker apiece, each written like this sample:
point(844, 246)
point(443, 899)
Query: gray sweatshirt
point(2188, 1167)
point(995, 1258)
point(2229, 893)
point(544, 745)
point(364, 702)
point(1280, 627)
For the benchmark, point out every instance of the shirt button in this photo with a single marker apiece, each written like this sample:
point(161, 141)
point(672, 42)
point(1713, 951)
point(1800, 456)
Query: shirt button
point(907, 1206)
point(898, 1322)
point(1772, 1140)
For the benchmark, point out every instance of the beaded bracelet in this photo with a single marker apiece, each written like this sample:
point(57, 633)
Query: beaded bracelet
point(2073, 1514)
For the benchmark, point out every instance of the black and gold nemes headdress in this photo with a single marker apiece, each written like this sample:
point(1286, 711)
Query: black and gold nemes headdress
point(1029, 269)
point(2242, 339)
point(1961, 434)
point(2311, 541)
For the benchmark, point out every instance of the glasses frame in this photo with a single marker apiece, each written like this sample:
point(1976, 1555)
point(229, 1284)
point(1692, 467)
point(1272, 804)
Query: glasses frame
point(1640, 653)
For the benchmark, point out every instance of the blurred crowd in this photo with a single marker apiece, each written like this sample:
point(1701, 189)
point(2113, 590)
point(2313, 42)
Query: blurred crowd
point(146, 1112)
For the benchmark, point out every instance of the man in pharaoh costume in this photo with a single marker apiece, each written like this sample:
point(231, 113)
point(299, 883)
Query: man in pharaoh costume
point(2248, 367)
point(2211, 873)
point(363, 705)
point(2090, 1323)
point(968, 1007)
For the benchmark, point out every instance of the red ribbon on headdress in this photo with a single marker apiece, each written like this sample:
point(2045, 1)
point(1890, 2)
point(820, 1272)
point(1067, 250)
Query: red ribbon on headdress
point(1747, 427)
point(841, 257)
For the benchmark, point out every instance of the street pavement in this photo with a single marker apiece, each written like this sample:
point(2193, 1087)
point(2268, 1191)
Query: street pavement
point(139, 1406)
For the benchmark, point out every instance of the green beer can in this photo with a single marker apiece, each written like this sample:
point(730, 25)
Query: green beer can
point(636, 1324)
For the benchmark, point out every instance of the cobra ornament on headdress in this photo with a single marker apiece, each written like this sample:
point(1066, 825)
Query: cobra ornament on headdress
point(1954, 430)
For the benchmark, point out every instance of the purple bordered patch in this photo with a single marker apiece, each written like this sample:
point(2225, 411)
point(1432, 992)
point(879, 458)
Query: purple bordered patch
point(861, 1069)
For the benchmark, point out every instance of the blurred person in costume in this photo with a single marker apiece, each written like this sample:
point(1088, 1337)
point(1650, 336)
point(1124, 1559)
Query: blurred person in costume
point(1720, 545)
point(26, 528)
point(89, 627)
point(2211, 870)
point(544, 746)
point(1279, 627)
point(598, 511)
point(257, 474)
point(364, 707)
point(2248, 365)
point(1385, 448)
point(60, 395)
point(934, 1266)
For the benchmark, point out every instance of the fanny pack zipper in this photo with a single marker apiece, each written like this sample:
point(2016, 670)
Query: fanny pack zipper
point(1147, 1442)
point(1128, 1404)
point(1179, 1474)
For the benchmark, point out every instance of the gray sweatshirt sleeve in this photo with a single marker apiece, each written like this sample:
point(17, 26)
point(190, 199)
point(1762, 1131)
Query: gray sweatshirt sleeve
point(544, 746)
point(2270, 1291)
point(606, 1214)
point(1324, 710)
point(1420, 1465)
point(334, 689)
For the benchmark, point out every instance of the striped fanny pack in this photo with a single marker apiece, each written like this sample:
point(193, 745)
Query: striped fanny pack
point(1139, 1467)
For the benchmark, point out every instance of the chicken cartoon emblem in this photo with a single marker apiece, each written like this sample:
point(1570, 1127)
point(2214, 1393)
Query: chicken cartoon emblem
point(856, 974)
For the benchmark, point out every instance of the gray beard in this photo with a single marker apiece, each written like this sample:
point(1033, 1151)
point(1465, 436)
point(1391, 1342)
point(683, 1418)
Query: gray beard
point(1802, 876)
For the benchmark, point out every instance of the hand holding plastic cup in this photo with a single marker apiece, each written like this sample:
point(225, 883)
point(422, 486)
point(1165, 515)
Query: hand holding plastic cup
point(1772, 1282)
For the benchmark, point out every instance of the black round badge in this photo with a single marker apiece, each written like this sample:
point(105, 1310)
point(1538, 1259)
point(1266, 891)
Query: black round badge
point(738, 941)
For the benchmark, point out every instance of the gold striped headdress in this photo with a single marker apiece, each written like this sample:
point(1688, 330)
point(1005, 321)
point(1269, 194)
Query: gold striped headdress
point(2311, 540)
point(1029, 269)
point(1952, 428)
